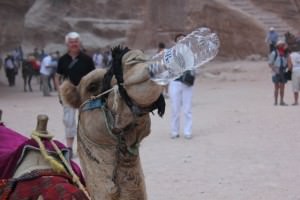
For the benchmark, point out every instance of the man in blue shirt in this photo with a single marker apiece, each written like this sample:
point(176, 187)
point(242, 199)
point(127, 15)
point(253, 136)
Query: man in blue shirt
point(272, 38)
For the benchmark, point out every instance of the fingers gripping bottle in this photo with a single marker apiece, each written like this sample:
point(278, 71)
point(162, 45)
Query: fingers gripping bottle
point(189, 53)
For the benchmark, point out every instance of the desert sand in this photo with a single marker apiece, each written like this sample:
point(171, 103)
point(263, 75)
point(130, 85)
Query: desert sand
point(243, 147)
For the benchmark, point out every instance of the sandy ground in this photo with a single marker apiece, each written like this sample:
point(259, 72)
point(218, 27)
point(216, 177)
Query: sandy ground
point(244, 147)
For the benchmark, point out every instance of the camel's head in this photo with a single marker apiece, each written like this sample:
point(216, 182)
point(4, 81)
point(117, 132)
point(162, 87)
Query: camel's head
point(134, 93)
point(129, 72)
point(90, 85)
point(137, 83)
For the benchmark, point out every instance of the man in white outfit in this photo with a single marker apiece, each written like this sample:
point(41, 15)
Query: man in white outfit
point(45, 71)
point(294, 66)
point(181, 97)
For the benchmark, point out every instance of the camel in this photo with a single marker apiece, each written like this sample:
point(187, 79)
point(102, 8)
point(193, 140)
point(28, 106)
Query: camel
point(29, 69)
point(114, 107)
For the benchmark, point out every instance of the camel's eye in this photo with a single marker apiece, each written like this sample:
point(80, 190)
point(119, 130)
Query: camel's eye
point(93, 87)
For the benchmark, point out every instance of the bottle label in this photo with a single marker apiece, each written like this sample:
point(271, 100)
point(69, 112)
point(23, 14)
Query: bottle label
point(168, 56)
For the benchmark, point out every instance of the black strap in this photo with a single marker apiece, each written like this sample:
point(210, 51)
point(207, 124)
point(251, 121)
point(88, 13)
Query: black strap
point(276, 54)
point(71, 65)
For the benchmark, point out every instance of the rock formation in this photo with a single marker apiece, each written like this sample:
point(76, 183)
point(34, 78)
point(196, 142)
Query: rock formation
point(136, 23)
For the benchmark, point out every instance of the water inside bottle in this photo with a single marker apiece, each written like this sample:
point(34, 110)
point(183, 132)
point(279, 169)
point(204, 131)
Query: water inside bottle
point(196, 49)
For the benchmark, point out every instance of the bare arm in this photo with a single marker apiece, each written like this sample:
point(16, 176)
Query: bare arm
point(57, 81)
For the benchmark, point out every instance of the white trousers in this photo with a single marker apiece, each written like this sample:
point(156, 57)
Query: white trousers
point(181, 98)
point(296, 80)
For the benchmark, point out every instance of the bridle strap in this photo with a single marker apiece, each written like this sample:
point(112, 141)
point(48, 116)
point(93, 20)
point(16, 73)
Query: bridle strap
point(90, 102)
point(91, 105)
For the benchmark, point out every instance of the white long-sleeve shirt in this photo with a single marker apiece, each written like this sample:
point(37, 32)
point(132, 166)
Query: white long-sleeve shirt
point(46, 66)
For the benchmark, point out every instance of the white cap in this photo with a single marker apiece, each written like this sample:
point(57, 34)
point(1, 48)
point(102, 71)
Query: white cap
point(272, 29)
point(72, 35)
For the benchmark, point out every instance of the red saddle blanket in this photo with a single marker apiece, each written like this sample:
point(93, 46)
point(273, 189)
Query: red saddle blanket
point(46, 183)
point(40, 183)
point(11, 148)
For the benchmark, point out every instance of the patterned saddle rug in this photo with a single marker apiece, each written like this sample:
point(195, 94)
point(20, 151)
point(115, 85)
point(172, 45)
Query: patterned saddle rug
point(38, 184)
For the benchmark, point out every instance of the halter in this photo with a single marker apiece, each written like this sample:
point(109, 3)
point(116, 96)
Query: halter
point(96, 102)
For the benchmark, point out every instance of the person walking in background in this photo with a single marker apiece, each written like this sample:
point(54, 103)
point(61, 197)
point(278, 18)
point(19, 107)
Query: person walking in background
point(107, 57)
point(11, 69)
point(180, 95)
point(54, 61)
point(278, 65)
point(294, 67)
point(98, 59)
point(271, 39)
point(72, 66)
point(45, 71)
point(18, 56)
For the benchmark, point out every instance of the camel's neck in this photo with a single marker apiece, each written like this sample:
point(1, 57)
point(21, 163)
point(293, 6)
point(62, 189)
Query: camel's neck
point(110, 173)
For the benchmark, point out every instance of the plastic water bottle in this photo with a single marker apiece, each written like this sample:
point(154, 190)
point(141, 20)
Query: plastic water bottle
point(189, 53)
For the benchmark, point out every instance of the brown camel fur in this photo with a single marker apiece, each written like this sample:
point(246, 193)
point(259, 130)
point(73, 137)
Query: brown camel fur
point(112, 168)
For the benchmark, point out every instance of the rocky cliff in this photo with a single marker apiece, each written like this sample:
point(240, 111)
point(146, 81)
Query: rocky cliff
point(12, 15)
point(136, 23)
point(289, 10)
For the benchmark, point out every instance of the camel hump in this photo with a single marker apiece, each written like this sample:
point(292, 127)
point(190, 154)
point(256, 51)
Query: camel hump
point(41, 126)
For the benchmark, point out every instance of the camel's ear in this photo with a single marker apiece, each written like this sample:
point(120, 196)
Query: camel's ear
point(70, 94)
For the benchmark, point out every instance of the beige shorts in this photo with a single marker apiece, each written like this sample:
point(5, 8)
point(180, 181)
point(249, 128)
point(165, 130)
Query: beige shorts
point(296, 81)
point(69, 121)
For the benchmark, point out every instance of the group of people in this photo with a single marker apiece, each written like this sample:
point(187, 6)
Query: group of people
point(44, 65)
point(285, 65)
point(102, 58)
point(75, 64)
point(38, 63)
